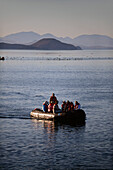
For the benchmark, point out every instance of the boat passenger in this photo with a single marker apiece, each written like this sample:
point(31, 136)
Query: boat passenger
point(53, 98)
point(68, 106)
point(50, 107)
point(77, 105)
point(56, 108)
point(71, 106)
point(63, 106)
point(45, 106)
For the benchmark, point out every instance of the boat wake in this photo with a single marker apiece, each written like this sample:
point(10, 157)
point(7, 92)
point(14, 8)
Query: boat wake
point(59, 58)
point(14, 117)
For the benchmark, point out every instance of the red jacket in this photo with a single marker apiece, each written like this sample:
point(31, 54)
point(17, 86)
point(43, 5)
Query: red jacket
point(50, 107)
point(53, 99)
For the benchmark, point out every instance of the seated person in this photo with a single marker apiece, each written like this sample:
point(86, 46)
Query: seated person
point(71, 106)
point(68, 106)
point(45, 106)
point(63, 106)
point(56, 108)
point(50, 107)
point(77, 106)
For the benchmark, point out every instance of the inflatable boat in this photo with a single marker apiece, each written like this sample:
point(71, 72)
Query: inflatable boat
point(2, 58)
point(75, 116)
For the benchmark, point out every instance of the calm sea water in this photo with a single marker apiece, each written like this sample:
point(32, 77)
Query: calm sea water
point(27, 79)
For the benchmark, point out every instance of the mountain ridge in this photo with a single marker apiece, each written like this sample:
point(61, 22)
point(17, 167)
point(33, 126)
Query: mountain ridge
point(43, 44)
point(85, 41)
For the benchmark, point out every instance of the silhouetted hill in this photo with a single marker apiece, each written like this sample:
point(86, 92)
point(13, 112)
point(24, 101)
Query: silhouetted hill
point(16, 46)
point(53, 44)
point(44, 44)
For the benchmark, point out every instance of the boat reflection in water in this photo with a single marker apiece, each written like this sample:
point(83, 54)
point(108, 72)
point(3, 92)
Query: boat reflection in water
point(46, 129)
point(52, 126)
point(49, 125)
point(52, 137)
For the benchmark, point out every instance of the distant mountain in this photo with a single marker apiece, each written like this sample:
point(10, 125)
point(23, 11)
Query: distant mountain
point(53, 44)
point(44, 44)
point(21, 38)
point(93, 41)
point(26, 38)
point(84, 41)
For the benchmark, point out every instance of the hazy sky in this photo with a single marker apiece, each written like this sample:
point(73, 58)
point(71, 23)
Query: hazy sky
point(58, 17)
